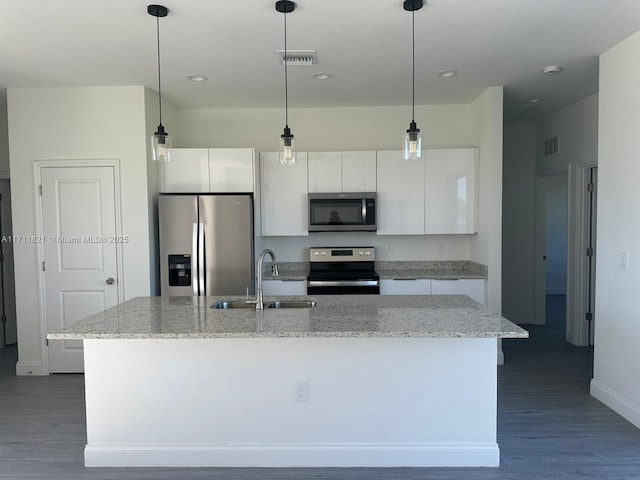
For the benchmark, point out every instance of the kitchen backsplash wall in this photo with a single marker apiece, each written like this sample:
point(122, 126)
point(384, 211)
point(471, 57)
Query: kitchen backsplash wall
point(388, 248)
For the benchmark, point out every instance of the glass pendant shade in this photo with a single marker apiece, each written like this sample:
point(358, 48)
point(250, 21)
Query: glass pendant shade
point(287, 150)
point(161, 145)
point(412, 143)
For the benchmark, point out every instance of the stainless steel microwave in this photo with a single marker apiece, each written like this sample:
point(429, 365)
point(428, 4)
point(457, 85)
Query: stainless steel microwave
point(342, 212)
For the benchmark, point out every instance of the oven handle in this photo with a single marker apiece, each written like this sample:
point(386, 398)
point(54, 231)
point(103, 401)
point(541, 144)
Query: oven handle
point(343, 283)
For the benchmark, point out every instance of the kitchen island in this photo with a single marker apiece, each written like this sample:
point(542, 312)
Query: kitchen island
point(362, 380)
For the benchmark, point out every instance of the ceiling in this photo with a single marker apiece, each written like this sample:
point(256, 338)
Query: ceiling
point(365, 45)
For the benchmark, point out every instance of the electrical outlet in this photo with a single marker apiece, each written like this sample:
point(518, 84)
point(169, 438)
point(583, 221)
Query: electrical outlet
point(300, 391)
point(389, 247)
point(439, 248)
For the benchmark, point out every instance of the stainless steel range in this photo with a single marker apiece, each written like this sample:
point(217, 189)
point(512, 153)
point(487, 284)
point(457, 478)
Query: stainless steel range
point(342, 270)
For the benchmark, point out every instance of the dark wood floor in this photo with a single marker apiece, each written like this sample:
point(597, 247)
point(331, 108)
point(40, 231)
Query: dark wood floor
point(549, 427)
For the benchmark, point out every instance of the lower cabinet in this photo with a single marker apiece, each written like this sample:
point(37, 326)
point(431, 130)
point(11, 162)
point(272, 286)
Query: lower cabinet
point(419, 286)
point(284, 287)
point(472, 287)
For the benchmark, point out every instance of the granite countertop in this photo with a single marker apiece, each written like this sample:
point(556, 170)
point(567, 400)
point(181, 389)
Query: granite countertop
point(444, 316)
point(396, 270)
point(440, 270)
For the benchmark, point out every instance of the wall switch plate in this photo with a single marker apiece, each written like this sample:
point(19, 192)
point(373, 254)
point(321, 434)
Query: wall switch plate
point(624, 260)
point(300, 391)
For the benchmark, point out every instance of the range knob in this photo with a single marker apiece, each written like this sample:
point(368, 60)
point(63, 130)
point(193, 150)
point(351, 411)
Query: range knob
point(360, 253)
point(323, 253)
point(367, 253)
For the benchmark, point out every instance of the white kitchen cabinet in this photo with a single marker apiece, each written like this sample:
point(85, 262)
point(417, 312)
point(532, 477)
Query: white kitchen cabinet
point(331, 172)
point(284, 287)
point(231, 169)
point(359, 172)
point(188, 171)
point(325, 172)
point(283, 196)
point(203, 170)
point(401, 194)
point(450, 193)
point(419, 286)
point(472, 287)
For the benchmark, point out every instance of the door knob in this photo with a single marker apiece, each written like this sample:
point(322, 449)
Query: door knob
point(110, 281)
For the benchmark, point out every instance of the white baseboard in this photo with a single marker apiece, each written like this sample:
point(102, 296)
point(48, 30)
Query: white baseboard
point(30, 369)
point(324, 455)
point(616, 402)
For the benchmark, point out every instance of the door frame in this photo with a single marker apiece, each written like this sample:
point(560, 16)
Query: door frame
point(38, 165)
point(577, 243)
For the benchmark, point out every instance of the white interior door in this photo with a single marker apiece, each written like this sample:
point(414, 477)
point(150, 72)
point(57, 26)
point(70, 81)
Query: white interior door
point(80, 252)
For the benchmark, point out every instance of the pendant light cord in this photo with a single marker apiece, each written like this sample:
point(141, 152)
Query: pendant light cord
point(159, 86)
point(413, 65)
point(286, 86)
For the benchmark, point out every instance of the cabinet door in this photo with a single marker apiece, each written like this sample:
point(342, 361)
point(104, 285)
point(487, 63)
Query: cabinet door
point(284, 287)
point(400, 207)
point(325, 172)
point(359, 171)
point(472, 287)
point(187, 172)
point(284, 204)
point(450, 191)
point(420, 286)
point(231, 169)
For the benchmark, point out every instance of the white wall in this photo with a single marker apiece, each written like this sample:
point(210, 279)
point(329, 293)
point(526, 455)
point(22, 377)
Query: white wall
point(577, 130)
point(75, 123)
point(556, 201)
point(486, 246)
point(617, 317)
point(518, 222)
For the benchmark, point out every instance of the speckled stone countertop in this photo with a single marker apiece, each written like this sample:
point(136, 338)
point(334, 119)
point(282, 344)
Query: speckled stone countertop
point(436, 269)
point(444, 316)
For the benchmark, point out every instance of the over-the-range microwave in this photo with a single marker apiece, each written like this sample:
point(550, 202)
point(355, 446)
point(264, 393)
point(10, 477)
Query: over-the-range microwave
point(342, 212)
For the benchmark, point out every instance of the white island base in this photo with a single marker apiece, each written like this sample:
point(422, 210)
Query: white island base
point(229, 402)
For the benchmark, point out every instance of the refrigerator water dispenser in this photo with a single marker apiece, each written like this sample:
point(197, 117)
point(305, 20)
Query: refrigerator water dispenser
point(180, 270)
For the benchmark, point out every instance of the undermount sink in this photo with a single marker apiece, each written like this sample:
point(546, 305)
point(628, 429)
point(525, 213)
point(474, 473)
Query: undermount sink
point(228, 304)
point(292, 304)
point(231, 304)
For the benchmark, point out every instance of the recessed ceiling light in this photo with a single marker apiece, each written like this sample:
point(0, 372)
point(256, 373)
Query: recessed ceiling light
point(535, 101)
point(321, 76)
point(197, 78)
point(551, 70)
point(446, 73)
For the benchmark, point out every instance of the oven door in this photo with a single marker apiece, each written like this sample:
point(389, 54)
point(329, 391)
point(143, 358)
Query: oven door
point(331, 212)
point(343, 287)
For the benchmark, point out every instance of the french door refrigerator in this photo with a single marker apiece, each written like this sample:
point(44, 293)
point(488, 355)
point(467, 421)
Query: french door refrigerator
point(206, 244)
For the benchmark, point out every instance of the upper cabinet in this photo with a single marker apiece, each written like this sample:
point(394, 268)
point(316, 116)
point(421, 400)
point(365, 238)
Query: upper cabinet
point(435, 194)
point(401, 194)
point(200, 170)
point(331, 172)
point(283, 195)
point(450, 191)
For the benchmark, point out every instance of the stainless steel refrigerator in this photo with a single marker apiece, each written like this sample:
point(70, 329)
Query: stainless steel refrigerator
point(206, 244)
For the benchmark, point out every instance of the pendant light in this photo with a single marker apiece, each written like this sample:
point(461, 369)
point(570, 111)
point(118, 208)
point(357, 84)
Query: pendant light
point(413, 138)
point(160, 141)
point(287, 149)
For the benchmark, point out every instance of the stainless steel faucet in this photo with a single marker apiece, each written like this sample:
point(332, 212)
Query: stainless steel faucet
point(274, 270)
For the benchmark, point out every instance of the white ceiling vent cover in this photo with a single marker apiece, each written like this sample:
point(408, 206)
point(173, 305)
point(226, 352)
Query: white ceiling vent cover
point(298, 57)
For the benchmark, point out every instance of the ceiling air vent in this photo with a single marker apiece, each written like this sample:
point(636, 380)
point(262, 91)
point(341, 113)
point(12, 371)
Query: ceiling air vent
point(298, 57)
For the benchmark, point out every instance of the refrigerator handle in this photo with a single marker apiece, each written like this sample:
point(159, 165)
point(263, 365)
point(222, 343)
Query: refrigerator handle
point(195, 260)
point(201, 260)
